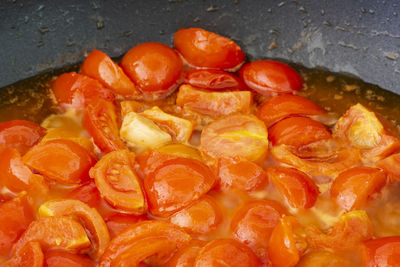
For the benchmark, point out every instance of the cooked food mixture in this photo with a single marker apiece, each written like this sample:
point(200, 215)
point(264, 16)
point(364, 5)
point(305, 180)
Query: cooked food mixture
point(193, 156)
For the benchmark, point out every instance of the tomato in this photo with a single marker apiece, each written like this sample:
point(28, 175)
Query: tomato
point(299, 190)
point(297, 131)
point(77, 90)
point(16, 176)
point(213, 104)
point(382, 252)
point(150, 160)
point(100, 121)
point(226, 252)
point(213, 80)
point(87, 193)
point(117, 223)
point(201, 48)
point(285, 105)
point(154, 67)
point(15, 217)
point(391, 166)
point(268, 76)
point(175, 184)
point(341, 159)
point(56, 258)
point(287, 243)
point(89, 217)
point(159, 239)
point(322, 258)
point(353, 187)
point(62, 233)
point(30, 255)
point(187, 255)
point(200, 217)
point(61, 160)
point(102, 68)
point(20, 134)
point(241, 174)
point(254, 222)
point(61, 133)
point(236, 135)
point(181, 150)
point(348, 232)
point(118, 183)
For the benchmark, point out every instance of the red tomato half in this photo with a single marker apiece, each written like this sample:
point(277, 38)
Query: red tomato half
point(77, 90)
point(213, 80)
point(202, 48)
point(21, 134)
point(282, 106)
point(30, 255)
point(102, 68)
point(382, 252)
point(154, 67)
point(269, 76)
point(56, 258)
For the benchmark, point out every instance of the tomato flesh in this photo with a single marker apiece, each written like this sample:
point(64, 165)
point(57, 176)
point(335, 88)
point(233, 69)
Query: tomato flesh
point(382, 252)
point(56, 258)
point(213, 80)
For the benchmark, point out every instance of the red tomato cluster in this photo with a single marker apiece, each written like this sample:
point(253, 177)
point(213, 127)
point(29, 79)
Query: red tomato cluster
point(246, 184)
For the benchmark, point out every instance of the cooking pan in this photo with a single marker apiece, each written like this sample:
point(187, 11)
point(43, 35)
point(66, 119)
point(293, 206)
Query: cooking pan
point(361, 38)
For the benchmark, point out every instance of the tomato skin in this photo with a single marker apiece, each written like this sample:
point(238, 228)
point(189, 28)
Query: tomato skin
point(213, 80)
point(30, 255)
point(187, 255)
point(226, 252)
point(382, 252)
point(15, 217)
point(199, 218)
point(285, 105)
point(102, 68)
point(295, 186)
point(77, 90)
point(154, 67)
point(56, 258)
point(117, 223)
point(236, 173)
point(202, 48)
point(297, 131)
point(118, 183)
point(269, 76)
point(87, 193)
point(254, 222)
point(100, 121)
point(21, 134)
point(175, 184)
point(352, 188)
point(61, 160)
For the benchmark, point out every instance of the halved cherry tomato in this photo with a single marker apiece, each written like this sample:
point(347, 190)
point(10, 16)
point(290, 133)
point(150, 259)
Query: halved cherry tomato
point(213, 80)
point(142, 240)
point(213, 104)
point(89, 217)
point(16, 176)
point(100, 121)
point(77, 90)
point(254, 222)
point(175, 184)
point(187, 255)
point(117, 223)
point(226, 252)
point(61, 160)
point(62, 233)
point(102, 68)
point(87, 193)
point(382, 252)
point(21, 134)
point(154, 67)
point(200, 217)
point(268, 76)
point(322, 258)
point(287, 243)
point(181, 150)
point(236, 135)
point(202, 48)
point(29, 255)
point(118, 183)
point(285, 105)
point(353, 187)
point(352, 228)
point(236, 173)
point(297, 131)
point(56, 258)
point(15, 217)
point(299, 190)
